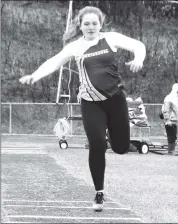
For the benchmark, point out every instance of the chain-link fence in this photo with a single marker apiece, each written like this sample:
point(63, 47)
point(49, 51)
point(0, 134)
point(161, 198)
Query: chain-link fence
point(40, 118)
point(37, 118)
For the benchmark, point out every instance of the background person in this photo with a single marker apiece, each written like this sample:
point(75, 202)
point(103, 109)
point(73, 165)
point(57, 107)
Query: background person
point(170, 116)
point(103, 102)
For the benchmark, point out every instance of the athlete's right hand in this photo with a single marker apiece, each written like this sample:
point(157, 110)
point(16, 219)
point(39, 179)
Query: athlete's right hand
point(28, 79)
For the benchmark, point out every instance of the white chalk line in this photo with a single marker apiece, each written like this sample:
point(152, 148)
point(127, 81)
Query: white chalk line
point(49, 201)
point(20, 146)
point(74, 217)
point(22, 151)
point(64, 207)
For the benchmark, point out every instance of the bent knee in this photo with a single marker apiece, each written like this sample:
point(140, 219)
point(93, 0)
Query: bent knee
point(121, 150)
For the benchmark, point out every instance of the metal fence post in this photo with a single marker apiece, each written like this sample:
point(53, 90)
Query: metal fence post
point(10, 118)
point(71, 124)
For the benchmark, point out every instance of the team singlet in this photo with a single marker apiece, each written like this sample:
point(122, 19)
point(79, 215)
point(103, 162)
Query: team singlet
point(98, 72)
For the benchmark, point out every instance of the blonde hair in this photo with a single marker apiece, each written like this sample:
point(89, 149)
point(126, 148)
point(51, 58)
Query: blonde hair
point(74, 26)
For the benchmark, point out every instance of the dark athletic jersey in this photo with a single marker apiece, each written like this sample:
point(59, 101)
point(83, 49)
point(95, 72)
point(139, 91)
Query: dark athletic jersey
point(99, 77)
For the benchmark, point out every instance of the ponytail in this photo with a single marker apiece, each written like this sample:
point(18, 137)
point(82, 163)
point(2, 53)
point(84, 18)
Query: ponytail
point(73, 31)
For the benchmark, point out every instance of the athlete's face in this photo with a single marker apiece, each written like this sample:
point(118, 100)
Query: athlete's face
point(90, 26)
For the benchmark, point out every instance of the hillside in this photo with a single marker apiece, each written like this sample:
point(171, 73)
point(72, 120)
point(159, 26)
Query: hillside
point(32, 32)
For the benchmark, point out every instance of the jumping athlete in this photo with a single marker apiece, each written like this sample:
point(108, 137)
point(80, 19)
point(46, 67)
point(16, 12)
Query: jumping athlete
point(103, 101)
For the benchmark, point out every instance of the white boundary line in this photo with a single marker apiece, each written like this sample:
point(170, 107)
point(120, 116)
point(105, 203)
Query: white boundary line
point(62, 201)
point(21, 151)
point(19, 148)
point(74, 217)
point(18, 222)
point(68, 207)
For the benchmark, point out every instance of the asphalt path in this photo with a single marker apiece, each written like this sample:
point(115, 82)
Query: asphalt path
point(43, 183)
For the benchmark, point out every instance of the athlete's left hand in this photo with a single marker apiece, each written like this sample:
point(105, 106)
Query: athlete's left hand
point(135, 66)
point(168, 123)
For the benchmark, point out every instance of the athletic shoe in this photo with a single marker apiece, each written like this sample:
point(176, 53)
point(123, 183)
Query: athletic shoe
point(98, 202)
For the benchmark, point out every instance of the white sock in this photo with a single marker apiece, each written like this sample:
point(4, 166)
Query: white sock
point(100, 191)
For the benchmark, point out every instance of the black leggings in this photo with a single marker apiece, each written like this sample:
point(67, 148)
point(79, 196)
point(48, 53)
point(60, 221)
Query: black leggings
point(171, 133)
point(97, 116)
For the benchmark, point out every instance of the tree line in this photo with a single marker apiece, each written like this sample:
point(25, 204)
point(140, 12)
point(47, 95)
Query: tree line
point(32, 32)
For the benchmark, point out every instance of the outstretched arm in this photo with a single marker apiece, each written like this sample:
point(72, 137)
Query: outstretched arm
point(48, 67)
point(132, 45)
